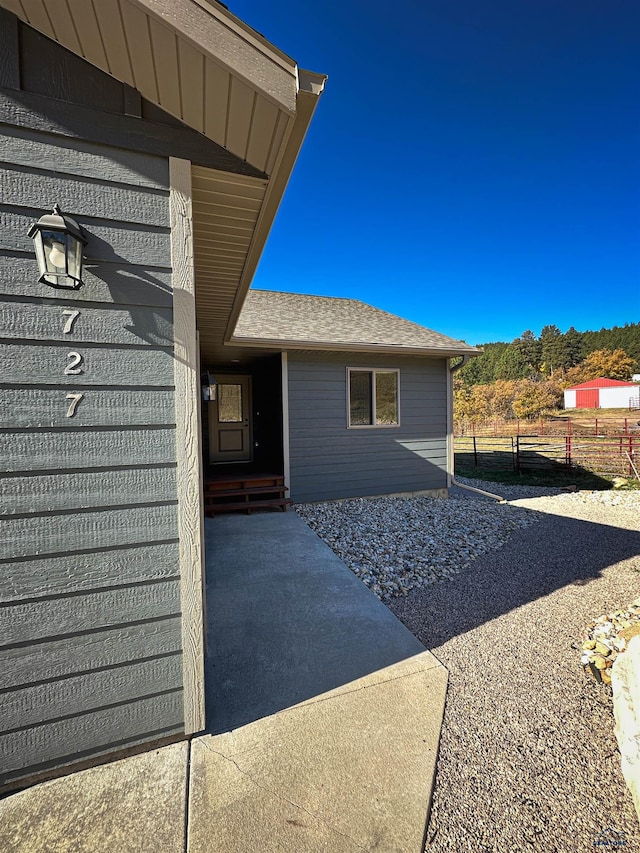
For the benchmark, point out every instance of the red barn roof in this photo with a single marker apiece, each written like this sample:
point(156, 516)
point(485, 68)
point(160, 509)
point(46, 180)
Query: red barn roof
point(602, 383)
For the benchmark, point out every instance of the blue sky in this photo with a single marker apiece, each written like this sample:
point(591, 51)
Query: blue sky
point(473, 165)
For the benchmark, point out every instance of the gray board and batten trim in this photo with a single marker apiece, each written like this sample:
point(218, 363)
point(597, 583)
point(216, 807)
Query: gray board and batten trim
point(96, 654)
point(45, 87)
point(329, 461)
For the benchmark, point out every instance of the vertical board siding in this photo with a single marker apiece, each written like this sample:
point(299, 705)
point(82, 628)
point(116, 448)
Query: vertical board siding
point(329, 461)
point(90, 597)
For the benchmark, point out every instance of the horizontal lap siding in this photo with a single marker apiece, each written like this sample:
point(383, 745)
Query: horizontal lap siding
point(329, 461)
point(90, 623)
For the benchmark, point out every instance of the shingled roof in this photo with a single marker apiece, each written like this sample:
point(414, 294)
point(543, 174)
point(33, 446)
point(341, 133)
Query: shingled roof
point(298, 321)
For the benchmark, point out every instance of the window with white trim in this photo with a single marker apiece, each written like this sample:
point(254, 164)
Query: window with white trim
point(374, 398)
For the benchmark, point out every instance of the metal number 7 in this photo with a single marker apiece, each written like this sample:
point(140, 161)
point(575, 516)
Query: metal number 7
point(73, 405)
point(71, 316)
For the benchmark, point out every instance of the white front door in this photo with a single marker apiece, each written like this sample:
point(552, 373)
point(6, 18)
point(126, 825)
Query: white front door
point(230, 420)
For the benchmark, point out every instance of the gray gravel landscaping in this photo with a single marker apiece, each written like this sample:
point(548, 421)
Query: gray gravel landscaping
point(528, 759)
point(397, 544)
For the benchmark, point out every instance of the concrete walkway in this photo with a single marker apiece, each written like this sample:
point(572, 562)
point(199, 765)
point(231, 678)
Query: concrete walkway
point(324, 722)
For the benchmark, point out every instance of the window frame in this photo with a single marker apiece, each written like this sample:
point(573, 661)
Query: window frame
point(373, 371)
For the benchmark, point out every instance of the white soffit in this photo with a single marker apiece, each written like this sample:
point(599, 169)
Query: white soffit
point(226, 209)
point(192, 58)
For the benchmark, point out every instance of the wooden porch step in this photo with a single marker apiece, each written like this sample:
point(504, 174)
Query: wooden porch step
point(253, 491)
point(247, 506)
point(214, 495)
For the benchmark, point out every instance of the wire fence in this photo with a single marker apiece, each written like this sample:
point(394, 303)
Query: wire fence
point(609, 455)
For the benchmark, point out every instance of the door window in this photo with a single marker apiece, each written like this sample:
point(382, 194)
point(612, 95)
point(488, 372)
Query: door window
point(230, 404)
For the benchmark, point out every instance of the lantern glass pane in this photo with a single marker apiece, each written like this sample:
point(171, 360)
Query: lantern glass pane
point(74, 257)
point(40, 253)
point(55, 251)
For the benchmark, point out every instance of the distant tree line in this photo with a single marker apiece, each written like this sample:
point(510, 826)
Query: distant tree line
point(527, 377)
point(554, 354)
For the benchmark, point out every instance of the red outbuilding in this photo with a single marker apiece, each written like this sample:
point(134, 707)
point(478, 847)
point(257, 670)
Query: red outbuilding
point(602, 393)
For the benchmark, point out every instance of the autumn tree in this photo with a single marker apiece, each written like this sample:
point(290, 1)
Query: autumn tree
point(470, 403)
point(535, 398)
point(501, 396)
point(602, 363)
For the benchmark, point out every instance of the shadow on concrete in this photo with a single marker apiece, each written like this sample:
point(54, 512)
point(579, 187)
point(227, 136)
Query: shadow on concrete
point(550, 554)
point(286, 620)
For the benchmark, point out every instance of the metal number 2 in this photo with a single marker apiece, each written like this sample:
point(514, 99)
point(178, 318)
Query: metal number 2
point(71, 316)
point(73, 368)
point(73, 405)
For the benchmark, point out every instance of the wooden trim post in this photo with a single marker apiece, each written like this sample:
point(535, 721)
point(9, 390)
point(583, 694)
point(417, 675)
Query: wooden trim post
point(203, 583)
point(450, 448)
point(286, 458)
point(189, 458)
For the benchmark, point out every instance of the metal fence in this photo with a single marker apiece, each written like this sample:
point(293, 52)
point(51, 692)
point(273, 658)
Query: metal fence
point(601, 454)
point(549, 425)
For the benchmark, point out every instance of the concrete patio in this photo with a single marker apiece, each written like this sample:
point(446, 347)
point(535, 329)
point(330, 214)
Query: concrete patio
point(324, 717)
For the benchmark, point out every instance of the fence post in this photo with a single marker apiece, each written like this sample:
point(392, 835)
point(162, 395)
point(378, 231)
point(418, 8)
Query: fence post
point(568, 451)
point(626, 426)
point(475, 452)
point(596, 427)
point(631, 456)
point(517, 459)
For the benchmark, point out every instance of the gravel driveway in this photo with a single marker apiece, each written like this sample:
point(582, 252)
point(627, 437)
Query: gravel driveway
point(528, 759)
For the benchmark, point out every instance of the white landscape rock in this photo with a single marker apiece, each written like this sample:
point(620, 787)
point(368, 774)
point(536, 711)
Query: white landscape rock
point(625, 683)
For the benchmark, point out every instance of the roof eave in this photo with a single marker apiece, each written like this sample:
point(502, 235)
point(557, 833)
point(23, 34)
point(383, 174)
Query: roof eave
point(342, 346)
point(311, 87)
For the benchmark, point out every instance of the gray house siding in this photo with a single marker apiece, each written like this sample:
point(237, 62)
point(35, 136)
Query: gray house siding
point(328, 460)
point(91, 628)
point(90, 637)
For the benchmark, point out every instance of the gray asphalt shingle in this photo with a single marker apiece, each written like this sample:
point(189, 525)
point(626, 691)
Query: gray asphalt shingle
point(316, 320)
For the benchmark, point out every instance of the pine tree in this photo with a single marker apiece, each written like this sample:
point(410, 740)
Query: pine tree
point(531, 350)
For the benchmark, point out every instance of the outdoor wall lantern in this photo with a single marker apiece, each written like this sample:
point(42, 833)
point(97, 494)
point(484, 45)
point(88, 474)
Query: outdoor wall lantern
point(58, 242)
point(209, 384)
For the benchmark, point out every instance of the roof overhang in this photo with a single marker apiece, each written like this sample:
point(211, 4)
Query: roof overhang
point(204, 66)
point(280, 345)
